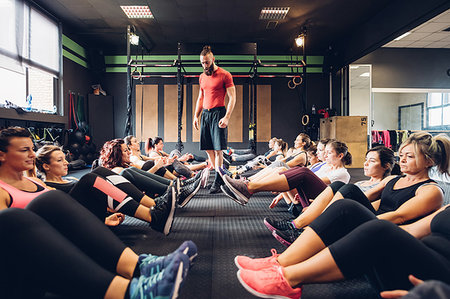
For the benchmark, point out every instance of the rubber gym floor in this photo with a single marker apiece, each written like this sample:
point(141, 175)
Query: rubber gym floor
point(223, 229)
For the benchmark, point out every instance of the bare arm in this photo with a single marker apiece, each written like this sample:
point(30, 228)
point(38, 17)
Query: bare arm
point(421, 228)
point(198, 108)
point(375, 192)
point(231, 92)
point(4, 199)
point(428, 199)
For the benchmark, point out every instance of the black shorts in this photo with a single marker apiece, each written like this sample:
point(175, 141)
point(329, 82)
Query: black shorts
point(211, 136)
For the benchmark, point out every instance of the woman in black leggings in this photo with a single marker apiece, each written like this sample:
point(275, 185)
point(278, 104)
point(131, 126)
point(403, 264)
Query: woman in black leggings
point(347, 241)
point(56, 245)
point(92, 191)
point(115, 156)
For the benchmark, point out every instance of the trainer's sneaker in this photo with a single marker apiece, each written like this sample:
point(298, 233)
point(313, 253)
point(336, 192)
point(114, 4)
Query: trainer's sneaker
point(162, 213)
point(205, 177)
point(238, 187)
point(187, 192)
point(215, 188)
point(287, 237)
point(223, 171)
point(152, 264)
point(245, 262)
point(274, 225)
point(231, 195)
point(268, 283)
point(165, 284)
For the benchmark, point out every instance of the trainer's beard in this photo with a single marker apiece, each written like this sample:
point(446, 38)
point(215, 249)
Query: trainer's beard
point(209, 71)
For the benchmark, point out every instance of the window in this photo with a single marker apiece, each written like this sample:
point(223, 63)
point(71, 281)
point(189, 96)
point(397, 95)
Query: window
point(30, 55)
point(438, 109)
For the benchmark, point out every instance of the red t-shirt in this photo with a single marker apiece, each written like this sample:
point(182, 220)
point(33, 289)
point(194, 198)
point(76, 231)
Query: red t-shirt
point(214, 88)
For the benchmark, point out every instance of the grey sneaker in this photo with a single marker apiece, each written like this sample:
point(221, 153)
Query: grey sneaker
point(238, 187)
point(231, 195)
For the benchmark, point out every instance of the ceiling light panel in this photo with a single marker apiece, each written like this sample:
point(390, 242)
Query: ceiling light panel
point(137, 12)
point(273, 13)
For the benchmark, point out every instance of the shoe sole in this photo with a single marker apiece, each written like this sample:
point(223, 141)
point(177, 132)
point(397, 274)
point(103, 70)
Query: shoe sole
point(252, 291)
point(237, 264)
point(281, 240)
point(235, 191)
point(236, 200)
point(187, 199)
point(169, 220)
point(179, 279)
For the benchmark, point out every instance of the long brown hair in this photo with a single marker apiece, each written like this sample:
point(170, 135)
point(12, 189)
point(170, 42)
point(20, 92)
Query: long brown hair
point(111, 154)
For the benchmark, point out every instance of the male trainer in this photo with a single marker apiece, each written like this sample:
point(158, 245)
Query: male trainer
point(215, 82)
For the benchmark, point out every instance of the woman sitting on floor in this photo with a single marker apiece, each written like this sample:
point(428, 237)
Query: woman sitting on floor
point(51, 162)
point(396, 198)
point(68, 252)
point(348, 241)
point(92, 191)
point(152, 165)
point(115, 156)
point(301, 178)
point(174, 164)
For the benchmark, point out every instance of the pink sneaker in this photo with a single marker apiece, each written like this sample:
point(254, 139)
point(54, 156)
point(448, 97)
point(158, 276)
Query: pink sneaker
point(247, 263)
point(268, 283)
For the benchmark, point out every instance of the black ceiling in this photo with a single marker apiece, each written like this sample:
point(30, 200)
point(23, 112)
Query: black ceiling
point(330, 24)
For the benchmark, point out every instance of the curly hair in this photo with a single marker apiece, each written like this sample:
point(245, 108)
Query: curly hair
point(111, 154)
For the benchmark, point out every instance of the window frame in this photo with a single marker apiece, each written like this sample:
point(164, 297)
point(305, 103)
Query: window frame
point(444, 96)
point(28, 63)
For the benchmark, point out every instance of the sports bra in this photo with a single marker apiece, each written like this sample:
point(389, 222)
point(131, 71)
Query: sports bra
point(20, 198)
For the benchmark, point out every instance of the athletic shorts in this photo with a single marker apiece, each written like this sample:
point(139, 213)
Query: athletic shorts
point(211, 136)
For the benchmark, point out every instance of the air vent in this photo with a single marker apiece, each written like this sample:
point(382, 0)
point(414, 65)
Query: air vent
point(271, 25)
point(273, 13)
point(447, 29)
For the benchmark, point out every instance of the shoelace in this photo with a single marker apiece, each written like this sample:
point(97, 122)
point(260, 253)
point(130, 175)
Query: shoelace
point(147, 283)
point(154, 259)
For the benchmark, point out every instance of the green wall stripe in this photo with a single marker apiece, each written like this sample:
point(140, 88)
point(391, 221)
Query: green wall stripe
point(67, 42)
point(75, 58)
point(116, 63)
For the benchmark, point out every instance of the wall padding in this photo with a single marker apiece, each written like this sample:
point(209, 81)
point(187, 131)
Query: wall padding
point(264, 113)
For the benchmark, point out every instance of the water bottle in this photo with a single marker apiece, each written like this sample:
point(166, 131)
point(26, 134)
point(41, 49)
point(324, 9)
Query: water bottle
point(29, 99)
point(313, 109)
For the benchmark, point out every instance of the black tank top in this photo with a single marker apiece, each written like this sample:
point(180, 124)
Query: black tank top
point(392, 199)
point(293, 156)
point(64, 187)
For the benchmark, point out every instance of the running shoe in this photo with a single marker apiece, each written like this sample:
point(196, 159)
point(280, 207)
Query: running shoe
point(268, 283)
point(152, 264)
point(287, 237)
point(163, 285)
point(274, 225)
point(238, 187)
point(247, 263)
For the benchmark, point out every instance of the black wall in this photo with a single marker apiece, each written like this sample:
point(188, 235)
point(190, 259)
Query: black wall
point(409, 68)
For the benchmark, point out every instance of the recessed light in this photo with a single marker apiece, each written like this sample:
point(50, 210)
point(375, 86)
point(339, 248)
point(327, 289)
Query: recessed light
point(403, 35)
point(273, 13)
point(137, 12)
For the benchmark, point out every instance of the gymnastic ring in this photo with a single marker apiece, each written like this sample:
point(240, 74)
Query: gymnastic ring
point(305, 120)
point(293, 86)
point(138, 77)
point(299, 82)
